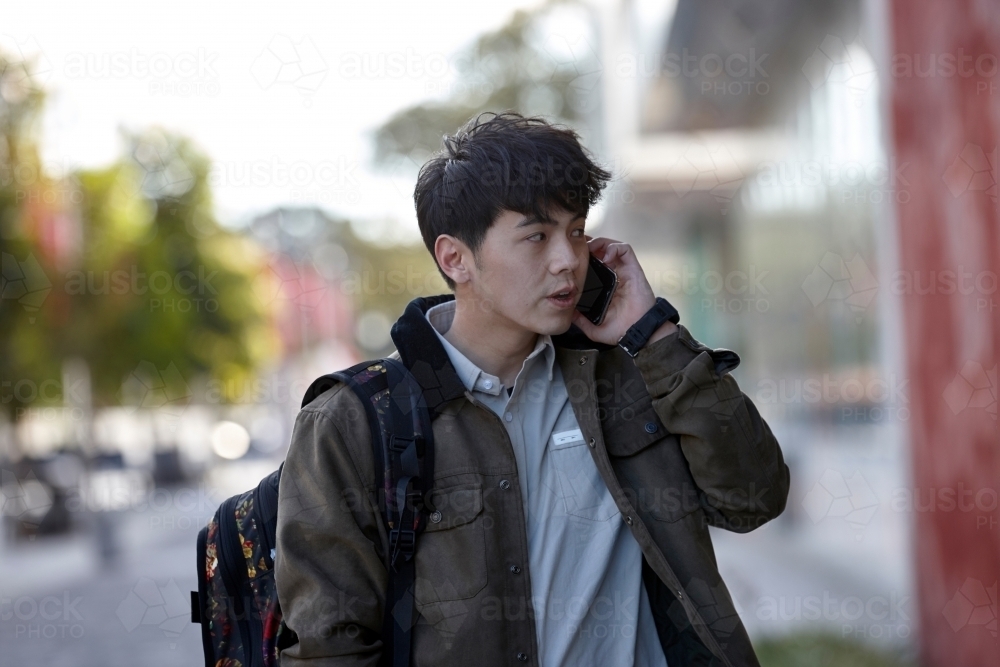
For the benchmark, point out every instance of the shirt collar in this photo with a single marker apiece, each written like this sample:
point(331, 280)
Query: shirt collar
point(442, 315)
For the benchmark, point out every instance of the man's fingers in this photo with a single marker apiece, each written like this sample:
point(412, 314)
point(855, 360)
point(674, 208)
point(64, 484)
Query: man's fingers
point(616, 250)
point(597, 245)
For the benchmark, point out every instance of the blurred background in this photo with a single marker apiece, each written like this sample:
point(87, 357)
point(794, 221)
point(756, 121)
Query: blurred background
point(204, 208)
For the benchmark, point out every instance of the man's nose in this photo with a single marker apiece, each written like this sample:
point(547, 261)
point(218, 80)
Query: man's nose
point(564, 257)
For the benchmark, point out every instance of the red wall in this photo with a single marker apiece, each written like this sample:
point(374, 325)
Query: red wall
point(947, 127)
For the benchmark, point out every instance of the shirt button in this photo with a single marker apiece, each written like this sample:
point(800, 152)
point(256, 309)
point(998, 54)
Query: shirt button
point(523, 657)
point(651, 427)
point(591, 442)
point(508, 416)
point(628, 520)
point(515, 569)
point(504, 484)
point(583, 360)
point(436, 516)
point(488, 384)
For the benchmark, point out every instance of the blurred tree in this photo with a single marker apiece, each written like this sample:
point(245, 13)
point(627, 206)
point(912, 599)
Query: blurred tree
point(23, 283)
point(163, 285)
point(542, 62)
point(155, 294)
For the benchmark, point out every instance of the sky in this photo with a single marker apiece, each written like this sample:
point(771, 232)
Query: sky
point(272, 92)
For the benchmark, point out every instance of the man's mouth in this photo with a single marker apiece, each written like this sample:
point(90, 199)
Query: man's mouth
point(563, 298)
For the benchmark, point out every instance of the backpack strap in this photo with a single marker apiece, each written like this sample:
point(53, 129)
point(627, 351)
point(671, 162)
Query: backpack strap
point(404, 465)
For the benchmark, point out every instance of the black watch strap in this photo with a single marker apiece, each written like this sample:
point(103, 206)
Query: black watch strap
point(662, 311)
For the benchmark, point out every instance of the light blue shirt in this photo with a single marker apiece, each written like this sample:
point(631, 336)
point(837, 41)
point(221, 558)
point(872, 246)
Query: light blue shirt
point(591, 607)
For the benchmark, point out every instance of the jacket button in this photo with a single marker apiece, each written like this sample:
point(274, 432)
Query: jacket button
point(591, 442)
point(628, 520)
point(516, 569)
point(504, 484)
point(523, 657)
point(436, 516)
point(583, 360)
point(651, 427)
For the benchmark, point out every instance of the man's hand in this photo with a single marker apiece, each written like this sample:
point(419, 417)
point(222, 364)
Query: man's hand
point(632, 299)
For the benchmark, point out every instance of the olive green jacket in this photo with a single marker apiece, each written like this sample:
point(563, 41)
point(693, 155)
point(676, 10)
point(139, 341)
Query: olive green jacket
point(677, 442)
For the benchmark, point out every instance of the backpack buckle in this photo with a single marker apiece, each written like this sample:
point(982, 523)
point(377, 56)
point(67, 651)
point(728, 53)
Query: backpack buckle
point(402, 541)
point(399, 444)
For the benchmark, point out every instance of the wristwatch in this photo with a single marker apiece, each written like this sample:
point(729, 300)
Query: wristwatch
point(662, 311)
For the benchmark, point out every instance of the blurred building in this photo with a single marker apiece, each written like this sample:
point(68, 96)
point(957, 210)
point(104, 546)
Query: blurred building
point(799, 179)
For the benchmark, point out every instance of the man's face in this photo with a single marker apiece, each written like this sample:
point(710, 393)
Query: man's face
point(523, 262)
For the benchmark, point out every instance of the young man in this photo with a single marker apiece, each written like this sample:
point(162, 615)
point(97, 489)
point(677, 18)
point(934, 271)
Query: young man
point(577, 467)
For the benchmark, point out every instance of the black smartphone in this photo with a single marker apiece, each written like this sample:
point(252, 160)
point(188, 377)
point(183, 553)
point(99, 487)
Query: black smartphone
point(597, 290)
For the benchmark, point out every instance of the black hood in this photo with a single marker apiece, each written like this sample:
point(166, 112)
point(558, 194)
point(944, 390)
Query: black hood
point(422, 353)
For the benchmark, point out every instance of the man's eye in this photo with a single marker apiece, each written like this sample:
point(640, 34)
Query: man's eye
point(579, 230)
point(541, 235)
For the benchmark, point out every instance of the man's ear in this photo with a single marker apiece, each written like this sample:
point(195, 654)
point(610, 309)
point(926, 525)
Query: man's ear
point(452, 256)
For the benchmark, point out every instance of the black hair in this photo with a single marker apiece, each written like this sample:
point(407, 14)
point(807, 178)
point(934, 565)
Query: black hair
point(499, 162)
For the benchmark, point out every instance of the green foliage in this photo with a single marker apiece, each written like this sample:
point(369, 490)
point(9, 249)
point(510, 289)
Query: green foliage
point(161, 281)
point(151, 284)
point(819, 650)
point(520, 67)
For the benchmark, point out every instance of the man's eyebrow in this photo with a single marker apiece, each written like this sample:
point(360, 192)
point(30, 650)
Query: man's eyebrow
point(532, 220)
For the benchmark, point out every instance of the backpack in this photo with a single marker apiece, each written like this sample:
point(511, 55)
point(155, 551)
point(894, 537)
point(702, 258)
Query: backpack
point(237, 601)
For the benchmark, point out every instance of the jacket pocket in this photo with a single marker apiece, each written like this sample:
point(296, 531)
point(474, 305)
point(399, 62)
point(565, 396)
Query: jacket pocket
point(649, 460)
point(583, 491)
point(450, 560)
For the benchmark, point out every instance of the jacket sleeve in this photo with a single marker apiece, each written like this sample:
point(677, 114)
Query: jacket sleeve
point(329, 572)
point(734, 458)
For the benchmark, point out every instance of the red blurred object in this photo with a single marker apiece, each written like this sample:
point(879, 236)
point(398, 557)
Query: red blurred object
point(946, 118)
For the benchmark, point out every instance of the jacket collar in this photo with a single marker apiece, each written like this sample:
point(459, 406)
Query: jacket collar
point(424, 356)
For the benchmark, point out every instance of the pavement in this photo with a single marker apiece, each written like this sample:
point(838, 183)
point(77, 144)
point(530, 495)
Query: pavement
point(64, 604)
point(836, 561)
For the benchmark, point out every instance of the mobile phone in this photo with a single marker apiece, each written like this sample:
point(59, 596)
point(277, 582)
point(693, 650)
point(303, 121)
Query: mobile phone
point(598, 290)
